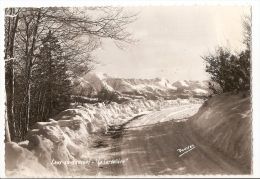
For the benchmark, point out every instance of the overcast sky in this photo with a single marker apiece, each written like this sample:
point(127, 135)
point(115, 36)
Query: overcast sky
point(171, 41)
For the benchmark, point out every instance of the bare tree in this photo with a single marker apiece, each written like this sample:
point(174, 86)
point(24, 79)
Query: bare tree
point(11, 22)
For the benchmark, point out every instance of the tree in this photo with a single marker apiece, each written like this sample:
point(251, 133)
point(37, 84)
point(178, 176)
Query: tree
point(51, 85)
point(217, 66)
point(7, 131)
point(75, 32)
point(247, 27)
point(11, 22)
point(231, 71)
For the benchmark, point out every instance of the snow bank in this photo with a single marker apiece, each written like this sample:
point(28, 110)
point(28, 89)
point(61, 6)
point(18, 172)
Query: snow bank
point(22, 162)
point(225, 123)
point(67, 135)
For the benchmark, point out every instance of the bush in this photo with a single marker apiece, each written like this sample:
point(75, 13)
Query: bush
point(231, 72)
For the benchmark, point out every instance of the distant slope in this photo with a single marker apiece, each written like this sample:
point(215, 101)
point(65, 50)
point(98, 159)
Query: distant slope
point(152, 89)
point(197, 89)
point(225, 122)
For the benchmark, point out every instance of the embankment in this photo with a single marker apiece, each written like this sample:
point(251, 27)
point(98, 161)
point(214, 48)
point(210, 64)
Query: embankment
point(225, 123)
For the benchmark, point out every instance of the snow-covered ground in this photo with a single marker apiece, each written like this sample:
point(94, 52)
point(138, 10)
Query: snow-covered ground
point(67, 136)
point(177, 113)
point(151, 145)
point(221, 132)
point(225, 122)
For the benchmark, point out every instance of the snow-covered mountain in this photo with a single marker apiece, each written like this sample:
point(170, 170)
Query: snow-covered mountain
point(197, 89)
point(153, 88)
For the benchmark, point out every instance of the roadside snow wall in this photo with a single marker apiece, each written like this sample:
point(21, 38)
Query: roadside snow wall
point(225, 123)
point(67, 135)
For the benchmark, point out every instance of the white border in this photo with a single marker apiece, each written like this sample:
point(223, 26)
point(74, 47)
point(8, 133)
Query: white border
point(255, 57)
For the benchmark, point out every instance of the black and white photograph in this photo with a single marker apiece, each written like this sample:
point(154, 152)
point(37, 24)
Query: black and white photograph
point(128, 90)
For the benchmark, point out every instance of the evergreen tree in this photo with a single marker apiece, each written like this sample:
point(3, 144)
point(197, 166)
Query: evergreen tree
point(51, 80)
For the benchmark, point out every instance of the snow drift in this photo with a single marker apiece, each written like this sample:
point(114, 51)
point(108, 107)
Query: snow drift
point(67, 135)
point(225, 123)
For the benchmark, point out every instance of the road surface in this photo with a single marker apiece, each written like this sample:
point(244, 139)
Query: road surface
point(158, 143)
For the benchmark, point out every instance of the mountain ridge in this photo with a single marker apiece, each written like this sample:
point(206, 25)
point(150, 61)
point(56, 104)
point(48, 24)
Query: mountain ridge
point(152, 88)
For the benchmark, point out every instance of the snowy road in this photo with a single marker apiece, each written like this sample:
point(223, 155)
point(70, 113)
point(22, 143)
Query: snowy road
point(160, 143)
point(181, 112)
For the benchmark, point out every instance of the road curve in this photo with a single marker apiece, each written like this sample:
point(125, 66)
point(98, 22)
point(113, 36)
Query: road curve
point(154, 144)
point(153, 150)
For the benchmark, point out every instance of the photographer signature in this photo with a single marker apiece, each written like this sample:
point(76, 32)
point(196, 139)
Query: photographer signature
point(186, 149)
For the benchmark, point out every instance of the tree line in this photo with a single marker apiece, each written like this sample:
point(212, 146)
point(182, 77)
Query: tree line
point(231, 71)
point(45, 48)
